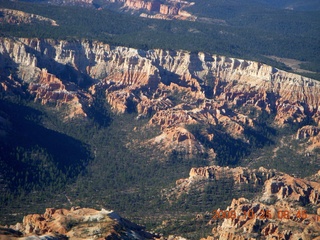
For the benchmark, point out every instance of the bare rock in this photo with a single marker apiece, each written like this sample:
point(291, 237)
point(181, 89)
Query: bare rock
point(78, 223)
point(296, 189)
point(168, 86)
point(307, 132)
point(178, 139)
point(239, 175)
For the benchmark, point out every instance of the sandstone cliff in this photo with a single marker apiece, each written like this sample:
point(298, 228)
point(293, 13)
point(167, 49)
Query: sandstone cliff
point(174, 88)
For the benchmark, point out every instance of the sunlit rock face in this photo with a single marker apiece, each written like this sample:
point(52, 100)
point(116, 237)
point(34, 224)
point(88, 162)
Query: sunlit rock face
point(76, 223)
point(172, 88)
point(280, 212)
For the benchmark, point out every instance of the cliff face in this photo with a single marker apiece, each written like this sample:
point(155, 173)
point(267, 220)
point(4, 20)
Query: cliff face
point(175, 88)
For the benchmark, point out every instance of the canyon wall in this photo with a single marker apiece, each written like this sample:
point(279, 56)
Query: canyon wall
point(174, 88)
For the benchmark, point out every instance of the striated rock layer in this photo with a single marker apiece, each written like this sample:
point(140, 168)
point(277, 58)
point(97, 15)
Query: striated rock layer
point(173, 88)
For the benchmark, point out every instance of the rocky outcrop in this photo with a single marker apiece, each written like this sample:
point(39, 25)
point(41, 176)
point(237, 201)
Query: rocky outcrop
point(293, 189)
point(169, 118)
point(177, 139)
point(310, 133)
point(9, 85)
point(203, 175)
point(307, 132)
point(284, 218)
point(256, 220)
point(239, 174)
point(77, 223)
point(161, 10)
point(148, 106)
point(168, 10)
point(314, 143)
point(234, 82)
point(277, 185)
point(50, 89)
point(174, 88)
point(137, 5)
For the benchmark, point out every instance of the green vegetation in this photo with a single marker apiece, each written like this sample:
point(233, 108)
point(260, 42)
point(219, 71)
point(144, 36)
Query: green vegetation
point(250, 31)
point(96, 162)
point(88, 162)
point(229, 150)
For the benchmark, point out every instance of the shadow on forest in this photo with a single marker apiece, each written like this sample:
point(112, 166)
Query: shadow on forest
point(48, 150)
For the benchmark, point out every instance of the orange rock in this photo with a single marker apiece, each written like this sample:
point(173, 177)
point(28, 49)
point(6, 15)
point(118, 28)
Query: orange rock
point(85, 222)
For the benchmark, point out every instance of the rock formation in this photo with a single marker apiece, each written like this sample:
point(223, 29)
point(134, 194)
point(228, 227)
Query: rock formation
point(307, 131)
point(178, 139)
point(171, 9)
point(255, 220)
point(203, 175)
point(293, 189)
point(310, 133)
point(77, 223)
point(174, 88)
point(280, 213)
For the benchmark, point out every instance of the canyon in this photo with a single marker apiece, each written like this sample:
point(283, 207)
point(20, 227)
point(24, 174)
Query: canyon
point(176, 89)
point(193, 100)
point(185, 117)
